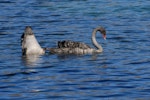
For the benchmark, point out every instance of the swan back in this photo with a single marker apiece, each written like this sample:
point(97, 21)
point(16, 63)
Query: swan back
point(72, 44)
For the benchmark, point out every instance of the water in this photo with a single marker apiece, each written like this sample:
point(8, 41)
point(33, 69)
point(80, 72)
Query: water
point(121, 72)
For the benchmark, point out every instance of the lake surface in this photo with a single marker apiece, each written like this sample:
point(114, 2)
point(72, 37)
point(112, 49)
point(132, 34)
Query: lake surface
point(121, 72)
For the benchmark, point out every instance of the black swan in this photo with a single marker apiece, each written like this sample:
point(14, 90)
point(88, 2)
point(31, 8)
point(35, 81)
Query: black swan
point(71, 47)
point(30, 45)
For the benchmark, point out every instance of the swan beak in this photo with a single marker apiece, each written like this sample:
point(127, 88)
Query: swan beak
point(104, 36)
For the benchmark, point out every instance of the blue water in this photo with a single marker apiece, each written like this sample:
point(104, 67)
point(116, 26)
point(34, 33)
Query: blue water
point(121, 72)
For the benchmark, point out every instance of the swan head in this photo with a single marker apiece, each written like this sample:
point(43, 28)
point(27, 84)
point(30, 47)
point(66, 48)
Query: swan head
point(102, 31)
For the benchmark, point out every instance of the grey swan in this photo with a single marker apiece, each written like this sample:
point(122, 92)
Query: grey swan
point(29, 43)
point(72, 47)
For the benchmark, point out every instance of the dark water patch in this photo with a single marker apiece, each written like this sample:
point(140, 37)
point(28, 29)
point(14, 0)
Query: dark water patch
point(13, 73)
point(57, 33)
point(10, 74)
point(67, 84)
point(107, 96)
point(57, 97)
point(3, 33)
point(139, 62)
point(69, 71)
point(89, 88)
point(145, 90)
point(118, 38)
point(107, 80)
point(56, 15)
point(6, 2)
point(52, 21)
point(125, 87)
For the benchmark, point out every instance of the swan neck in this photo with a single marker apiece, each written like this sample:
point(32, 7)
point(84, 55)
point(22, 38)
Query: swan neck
point(95, 43)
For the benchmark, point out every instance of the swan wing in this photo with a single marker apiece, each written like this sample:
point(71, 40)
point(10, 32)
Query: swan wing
point(72, 44)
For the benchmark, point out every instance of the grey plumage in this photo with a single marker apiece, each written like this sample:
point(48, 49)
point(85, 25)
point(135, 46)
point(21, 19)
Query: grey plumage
point(72, 44)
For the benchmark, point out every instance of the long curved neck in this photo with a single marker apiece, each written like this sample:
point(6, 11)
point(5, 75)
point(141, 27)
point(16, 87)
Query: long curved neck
point(95, 43)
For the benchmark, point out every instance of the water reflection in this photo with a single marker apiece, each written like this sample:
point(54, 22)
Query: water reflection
point(32, 60)
point(69, 56)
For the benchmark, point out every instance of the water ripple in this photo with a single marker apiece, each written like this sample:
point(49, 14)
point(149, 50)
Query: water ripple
point(120, 72)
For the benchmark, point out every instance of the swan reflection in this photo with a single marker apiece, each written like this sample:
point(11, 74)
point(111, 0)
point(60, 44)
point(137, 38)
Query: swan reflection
point(32, 60)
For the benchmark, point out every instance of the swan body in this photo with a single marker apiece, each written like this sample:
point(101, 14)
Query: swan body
point(72, 47)
point(29, 43)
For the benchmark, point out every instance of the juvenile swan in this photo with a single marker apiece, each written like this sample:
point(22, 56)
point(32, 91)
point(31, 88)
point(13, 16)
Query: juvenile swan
point(30, 45)
point(71, 47)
